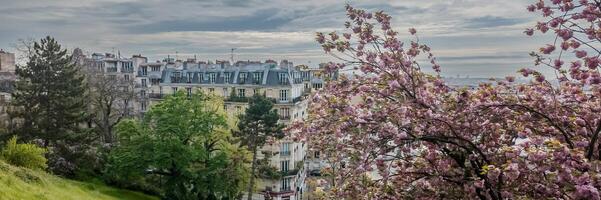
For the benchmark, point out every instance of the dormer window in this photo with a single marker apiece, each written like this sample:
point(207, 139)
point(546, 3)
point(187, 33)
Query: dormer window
point(212, 77)
point(257, 77)
point(226, 77)
point(176, 77)
point(283, 77)
point(190, 76)
point(242, 77)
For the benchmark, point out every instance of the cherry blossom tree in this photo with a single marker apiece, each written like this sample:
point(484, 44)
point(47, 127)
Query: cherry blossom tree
point(396, 132)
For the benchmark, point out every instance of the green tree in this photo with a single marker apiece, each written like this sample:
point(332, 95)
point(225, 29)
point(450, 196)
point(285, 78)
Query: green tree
point(183, 142)
point(258, 123)
point(49, 100)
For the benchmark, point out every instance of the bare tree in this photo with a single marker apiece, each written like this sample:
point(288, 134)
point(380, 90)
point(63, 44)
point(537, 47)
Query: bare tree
point(23, 48)
point(110, 97)
point(110, 100)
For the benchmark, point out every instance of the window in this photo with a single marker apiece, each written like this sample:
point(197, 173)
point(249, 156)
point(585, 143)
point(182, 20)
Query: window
point(112, 77)
point(212, 77)
point(174, 90)
point(284, 165)
point(242, 77)
point(201, 77)
point(316, 154)
point(283, 77)
point(317, 85)
point(225, 107)
point(238, 109)
point(176, 77)
point(226, 77)
point(143, 82)
point(256, 91)
point(144, 71)
point(143, 106)
point(257, 77)
point(241, 92)
point(155, 68)
point(190, 76)
point(285, 149)
point(126, 77)
point(285, 184)
point(126, 67)
point(189, 91)
point(155, 81)
point(212, 90)
point(225, 92)
point(143, 93)
point(283, 95)
point(285, 113)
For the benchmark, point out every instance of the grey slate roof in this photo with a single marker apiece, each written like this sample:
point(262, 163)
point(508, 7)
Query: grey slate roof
point(195, 73)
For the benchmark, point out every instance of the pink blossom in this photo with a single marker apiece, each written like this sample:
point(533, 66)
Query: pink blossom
point(580, 53)
point(394, 84)
point(412, 31)
point(575, 44)
point(557, 64)
point(591, 62)
point(548, 49)
point(540, 78)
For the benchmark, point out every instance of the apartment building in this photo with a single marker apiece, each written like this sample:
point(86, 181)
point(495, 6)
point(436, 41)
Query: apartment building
point(119, 71)
point(236, 82)
point(7, 80)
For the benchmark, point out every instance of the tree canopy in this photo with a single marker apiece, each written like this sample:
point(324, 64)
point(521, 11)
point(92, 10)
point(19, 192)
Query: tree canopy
point(396, 132)
point(183, 142)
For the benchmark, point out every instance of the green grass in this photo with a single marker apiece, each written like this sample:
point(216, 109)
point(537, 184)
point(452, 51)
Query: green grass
point(17, 183)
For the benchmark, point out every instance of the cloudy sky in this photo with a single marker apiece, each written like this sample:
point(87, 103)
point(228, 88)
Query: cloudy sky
point(476, 38)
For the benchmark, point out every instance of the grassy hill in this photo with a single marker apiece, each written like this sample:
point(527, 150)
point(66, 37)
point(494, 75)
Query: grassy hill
point(18, 183)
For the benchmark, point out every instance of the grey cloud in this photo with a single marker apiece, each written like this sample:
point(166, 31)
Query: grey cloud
point(267, 28)
point(490, 22)
point(261, 20)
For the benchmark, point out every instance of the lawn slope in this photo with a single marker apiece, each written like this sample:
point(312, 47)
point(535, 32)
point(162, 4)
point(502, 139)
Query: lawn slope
point(18, 183)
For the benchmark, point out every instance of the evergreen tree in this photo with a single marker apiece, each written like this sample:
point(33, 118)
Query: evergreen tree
point(256, 125)
point(49, 95)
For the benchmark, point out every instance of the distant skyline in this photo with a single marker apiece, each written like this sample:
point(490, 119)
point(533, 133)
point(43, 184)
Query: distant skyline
point(476, 38)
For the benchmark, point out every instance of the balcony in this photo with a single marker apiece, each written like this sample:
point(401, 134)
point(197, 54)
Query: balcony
point(111, 69)
point(295, 100)
point(298, 99)
point(233, 98)
point(156, 95)
point(285, 153)
point(127, 70)
point(292, 172)
point(139, 85)
point(142, 73)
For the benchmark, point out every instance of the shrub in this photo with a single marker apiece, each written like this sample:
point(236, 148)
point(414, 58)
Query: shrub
point(24, 155)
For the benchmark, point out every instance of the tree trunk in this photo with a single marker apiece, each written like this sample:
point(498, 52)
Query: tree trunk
point(108, 137)
point(251, 185)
